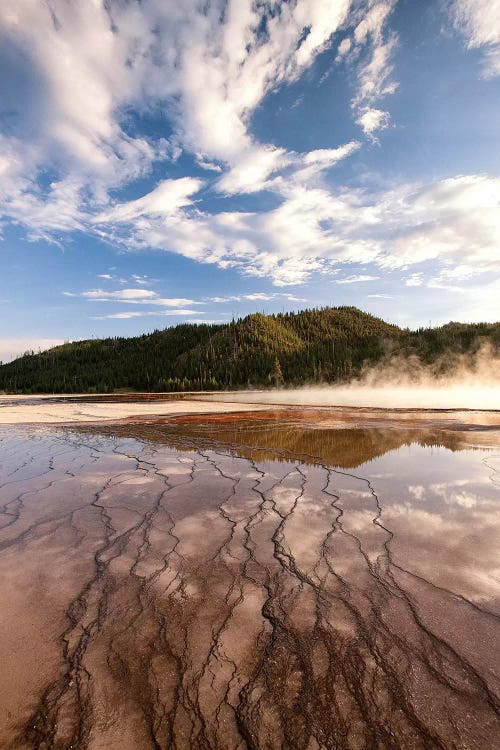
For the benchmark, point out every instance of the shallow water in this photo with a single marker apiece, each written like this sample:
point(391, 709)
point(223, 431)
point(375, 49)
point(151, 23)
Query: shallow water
point(252, 584)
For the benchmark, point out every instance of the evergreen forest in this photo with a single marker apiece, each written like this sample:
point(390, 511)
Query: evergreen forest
point(327, 345)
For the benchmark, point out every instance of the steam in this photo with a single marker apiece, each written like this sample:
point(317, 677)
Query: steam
point(455, 381)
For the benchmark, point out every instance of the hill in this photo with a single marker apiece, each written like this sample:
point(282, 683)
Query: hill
point(321, 345)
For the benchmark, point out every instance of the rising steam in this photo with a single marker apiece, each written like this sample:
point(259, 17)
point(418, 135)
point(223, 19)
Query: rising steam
point(455, 381)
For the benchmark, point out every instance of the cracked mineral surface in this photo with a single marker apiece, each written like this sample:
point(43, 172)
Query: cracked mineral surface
point(263, 582)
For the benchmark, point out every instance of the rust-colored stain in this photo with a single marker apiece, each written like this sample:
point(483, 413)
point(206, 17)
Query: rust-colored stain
point(244, 416)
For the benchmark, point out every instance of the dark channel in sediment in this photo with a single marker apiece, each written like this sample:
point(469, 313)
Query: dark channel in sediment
point(237, 586)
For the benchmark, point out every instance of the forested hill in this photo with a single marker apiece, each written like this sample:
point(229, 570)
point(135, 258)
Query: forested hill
point(322, 345)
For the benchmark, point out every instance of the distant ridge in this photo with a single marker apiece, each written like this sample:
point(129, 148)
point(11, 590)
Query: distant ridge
point(320, 345)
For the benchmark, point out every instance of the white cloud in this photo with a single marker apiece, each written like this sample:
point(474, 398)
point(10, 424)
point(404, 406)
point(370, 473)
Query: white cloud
point(207, 67)
point(479, 22)
point(458, 272)
point(122, 294)
point(208, 165)
point(165, 200)
point(373, 22)
point(453, 222)
point(372, 119)
point(134, 297)
point(85, 64)
point(44, 211)
point(257, 297)
point(169, 302)
point(126, 315)
point(416, 279)
point(375, 73)
point(225, 69)
point(344, 47)
point(356, 279)
point(209, 76)
point(253, 168)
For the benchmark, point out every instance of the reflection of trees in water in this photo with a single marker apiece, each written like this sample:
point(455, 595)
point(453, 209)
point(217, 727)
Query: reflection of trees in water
point(274, 441)
point(232, 603)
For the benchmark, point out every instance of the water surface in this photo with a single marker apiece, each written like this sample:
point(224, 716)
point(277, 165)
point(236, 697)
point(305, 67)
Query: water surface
point(248, 584)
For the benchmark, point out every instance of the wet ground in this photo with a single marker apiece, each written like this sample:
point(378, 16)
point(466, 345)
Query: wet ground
point(295, 580)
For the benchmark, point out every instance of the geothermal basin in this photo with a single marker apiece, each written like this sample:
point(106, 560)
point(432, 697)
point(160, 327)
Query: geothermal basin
point(193, 573)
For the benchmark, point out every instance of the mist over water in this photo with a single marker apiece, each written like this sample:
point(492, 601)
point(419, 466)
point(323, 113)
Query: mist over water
point(454, 381)
point(451, 396)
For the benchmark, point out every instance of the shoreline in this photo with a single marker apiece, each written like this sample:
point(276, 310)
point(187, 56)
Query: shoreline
point(480, 427)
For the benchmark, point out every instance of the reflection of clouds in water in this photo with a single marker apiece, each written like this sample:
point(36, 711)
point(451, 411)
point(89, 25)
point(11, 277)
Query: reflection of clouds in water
point(254, 475)
point(464, 499)
point(221, 574)
point(417, 490)
point(284, 493)
point(198, 533)
point(356, 493)
point(458, 549)
point(358, 521)
point(443, 510)
point(463, 493)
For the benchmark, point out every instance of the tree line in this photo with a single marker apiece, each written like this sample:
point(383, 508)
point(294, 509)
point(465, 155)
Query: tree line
point(323, 345)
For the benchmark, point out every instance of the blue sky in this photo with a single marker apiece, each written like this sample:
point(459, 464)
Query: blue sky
point(163, 162)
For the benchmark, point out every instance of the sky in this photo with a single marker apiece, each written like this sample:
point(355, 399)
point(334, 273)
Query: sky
point(163, 162)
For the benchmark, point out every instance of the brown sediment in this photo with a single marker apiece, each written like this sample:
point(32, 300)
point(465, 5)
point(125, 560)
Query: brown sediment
point(189, 407)
point(456, 420)
point(345, 438)
point(449, 420)
point(248, 582)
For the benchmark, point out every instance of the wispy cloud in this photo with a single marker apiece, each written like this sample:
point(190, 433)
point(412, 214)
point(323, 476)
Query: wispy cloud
point(165, 200)
point(375, 80)
point(257, 297)
point(168, 305)
point(416, 279)
point(453, 221)
point(121, 294)
point(479, 22)
point(206, 68)
point(373, 120)
point(216, 66)
point(356, 279)
point(133, 297)
point(127, 314)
